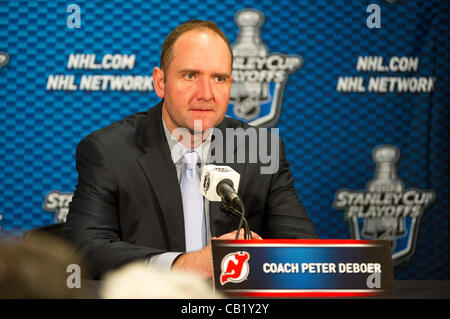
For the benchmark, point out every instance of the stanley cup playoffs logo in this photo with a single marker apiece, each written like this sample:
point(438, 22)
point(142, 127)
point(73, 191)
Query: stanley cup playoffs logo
point(386, 210)
point(259, 77)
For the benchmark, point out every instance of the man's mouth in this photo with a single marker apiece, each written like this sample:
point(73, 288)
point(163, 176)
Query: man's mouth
point(201, 110)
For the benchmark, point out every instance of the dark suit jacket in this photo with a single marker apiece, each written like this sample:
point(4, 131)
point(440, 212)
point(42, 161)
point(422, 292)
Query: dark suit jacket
point(127, 204)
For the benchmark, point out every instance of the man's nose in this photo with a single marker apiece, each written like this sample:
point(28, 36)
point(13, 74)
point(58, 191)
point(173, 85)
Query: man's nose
point(205, 91)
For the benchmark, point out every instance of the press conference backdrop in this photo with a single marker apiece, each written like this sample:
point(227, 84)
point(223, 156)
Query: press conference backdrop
point(358, 89)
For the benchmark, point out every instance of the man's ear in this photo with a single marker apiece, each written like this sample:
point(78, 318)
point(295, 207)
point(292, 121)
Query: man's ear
point(158, 82)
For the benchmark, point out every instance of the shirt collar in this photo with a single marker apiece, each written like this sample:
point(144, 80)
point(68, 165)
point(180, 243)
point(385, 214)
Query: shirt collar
point(177, 149)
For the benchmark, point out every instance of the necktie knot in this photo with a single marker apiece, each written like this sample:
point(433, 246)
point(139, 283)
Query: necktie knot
point(190, 160)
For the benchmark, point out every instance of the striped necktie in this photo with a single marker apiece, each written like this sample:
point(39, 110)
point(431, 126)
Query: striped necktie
point(194, 217)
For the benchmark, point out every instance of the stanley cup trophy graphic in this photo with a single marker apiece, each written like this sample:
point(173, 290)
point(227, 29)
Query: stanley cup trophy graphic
point(385, 181)
point(246, 96)
point(259, 78)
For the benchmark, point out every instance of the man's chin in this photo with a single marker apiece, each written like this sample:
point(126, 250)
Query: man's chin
point(201, 126)
point(203, 130)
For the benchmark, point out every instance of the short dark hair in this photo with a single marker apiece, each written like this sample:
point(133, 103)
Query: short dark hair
point(167, 47)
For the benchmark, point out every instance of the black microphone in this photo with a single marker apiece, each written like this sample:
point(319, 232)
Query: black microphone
point(225, 189)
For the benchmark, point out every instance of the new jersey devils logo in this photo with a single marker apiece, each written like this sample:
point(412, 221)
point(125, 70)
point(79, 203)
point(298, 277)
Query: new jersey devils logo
point(235, 267)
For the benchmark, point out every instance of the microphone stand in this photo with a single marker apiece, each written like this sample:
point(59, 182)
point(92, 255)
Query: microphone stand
point(229, 209)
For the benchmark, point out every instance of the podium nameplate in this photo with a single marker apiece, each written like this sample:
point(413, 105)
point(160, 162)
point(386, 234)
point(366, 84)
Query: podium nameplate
point(303, 268)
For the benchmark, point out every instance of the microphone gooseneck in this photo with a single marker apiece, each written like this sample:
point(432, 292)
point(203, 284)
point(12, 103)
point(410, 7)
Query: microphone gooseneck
point(243, 221)
point(233, 204)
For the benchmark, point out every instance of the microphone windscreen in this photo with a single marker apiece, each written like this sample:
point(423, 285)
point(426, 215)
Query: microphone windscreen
point(212, 175)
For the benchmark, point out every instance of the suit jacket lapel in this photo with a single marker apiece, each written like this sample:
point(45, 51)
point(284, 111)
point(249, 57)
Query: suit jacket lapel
point(162, 176)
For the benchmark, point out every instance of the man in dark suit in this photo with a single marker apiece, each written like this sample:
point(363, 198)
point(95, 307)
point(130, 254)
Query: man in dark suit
point(130, 202)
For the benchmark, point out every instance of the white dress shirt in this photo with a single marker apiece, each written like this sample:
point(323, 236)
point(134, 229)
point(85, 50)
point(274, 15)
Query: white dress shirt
point(177, 151)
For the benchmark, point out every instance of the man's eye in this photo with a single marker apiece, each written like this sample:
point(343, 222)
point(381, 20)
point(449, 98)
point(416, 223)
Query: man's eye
point(220, 79)
point(189, 76)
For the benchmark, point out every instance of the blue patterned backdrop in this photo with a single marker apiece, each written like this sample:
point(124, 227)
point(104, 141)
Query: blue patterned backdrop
point(329, 133)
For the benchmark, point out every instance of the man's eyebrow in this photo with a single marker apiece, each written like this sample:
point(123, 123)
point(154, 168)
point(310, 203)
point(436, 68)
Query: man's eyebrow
point(184, 71)
point(222, 75)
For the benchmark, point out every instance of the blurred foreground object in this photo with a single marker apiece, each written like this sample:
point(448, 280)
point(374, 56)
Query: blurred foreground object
point(136, 280)
point(37, 267)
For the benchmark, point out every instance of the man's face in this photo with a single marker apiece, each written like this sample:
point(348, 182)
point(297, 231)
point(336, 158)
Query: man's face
point(197, 81)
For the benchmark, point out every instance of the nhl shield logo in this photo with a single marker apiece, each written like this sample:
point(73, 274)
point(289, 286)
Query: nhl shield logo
point(259, 77)
point(386, 210)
